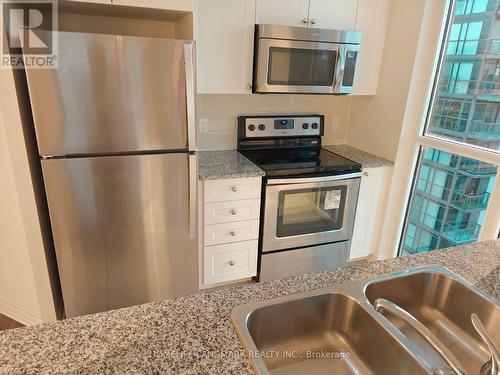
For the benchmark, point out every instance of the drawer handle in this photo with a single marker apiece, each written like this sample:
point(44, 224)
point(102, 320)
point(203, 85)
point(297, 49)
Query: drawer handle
point(233, 233)
point(231, 263)
point(233, 212)
point(234, 188)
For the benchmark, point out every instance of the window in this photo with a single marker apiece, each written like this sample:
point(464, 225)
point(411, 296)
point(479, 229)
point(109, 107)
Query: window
point(467, 100)
point(449, 201)
point(458, 149)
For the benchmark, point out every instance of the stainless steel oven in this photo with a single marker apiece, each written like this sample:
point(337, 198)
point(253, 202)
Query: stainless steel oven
point(303, 60)
point(309, 194)
point(311, 211)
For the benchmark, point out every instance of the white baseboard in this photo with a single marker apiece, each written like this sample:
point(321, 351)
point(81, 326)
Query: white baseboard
point(19, 314)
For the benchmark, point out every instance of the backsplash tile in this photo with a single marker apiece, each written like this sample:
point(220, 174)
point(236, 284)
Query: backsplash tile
point(222, 112)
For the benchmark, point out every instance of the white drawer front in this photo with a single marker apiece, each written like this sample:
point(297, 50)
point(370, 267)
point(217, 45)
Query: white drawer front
point(230, 262)
point(231, 232)
point(225, 212)
point(233, 189)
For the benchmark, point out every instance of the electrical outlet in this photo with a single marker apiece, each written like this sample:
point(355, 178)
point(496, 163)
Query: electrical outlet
point(335, 123)
point(203, 125)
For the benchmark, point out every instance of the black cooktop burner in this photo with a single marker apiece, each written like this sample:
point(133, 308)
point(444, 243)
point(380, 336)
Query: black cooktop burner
point(293, 162)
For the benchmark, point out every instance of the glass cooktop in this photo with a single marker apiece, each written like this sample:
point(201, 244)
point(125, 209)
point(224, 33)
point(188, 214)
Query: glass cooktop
point(294, 162)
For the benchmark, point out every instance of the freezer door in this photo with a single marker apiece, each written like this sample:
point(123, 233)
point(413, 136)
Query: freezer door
point(114, 93)
point(121, 228)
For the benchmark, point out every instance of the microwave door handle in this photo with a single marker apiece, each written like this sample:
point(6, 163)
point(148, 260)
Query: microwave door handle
point(340, 68)
point(190, 94)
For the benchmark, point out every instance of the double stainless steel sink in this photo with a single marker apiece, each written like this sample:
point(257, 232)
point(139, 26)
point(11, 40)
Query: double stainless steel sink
point(412, 322)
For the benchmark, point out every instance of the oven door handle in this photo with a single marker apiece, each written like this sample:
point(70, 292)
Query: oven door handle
point(287, 181)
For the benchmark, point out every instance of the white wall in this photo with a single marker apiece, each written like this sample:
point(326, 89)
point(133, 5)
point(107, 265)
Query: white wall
point(17, 287)
point(222, 112)
point(25, 286)
point(376, 121)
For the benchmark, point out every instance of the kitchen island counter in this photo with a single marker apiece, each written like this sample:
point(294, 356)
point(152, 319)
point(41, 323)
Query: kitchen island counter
point(194, 334)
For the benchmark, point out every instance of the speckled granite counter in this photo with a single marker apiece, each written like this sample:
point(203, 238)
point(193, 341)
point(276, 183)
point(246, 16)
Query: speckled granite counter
point(213, 165)
point(194, 335)
point(366, 159)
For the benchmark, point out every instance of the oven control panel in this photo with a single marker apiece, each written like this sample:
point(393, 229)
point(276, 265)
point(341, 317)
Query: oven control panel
point(280, 126)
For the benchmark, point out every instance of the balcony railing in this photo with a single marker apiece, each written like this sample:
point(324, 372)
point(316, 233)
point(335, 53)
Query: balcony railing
point(467, 201)
point(494, 48)
point(485, 129)
point(458, 234)
point(477, 167)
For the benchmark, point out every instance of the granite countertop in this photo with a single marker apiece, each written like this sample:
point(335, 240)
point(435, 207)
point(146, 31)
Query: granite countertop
point(213, 165)
point(194, 334)
point(366, 159)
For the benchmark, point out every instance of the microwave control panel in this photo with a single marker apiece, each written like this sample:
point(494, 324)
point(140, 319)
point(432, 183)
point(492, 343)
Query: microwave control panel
point(270, 127)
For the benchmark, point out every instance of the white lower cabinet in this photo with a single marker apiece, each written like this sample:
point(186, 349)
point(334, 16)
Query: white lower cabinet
point(231, 232)
point(372, 201)
point(224, 212)
point(231, 211)
point(223, 263)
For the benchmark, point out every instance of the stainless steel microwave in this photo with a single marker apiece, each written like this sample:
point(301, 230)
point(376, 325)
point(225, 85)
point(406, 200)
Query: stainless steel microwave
point(304, 60)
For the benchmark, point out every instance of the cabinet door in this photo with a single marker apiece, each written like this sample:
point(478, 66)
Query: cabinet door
point(282, 12)
point(333, 14)
point(95, 1)
point(230, 262)
point(372, 201)
point(181, 5)
point(371, 21)
point(225, 30)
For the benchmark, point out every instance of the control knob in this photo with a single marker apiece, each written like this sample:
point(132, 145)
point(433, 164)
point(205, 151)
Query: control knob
point(305, 125)
point(314, 125)
point(251, 127)
point(262, 127)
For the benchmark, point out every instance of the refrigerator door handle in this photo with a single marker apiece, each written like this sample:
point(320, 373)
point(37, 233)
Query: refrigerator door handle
point(190, 94)
point(193, 182)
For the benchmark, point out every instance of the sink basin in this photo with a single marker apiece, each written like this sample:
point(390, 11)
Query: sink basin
point(444, 305)
point(336, 330)
point(324, 334)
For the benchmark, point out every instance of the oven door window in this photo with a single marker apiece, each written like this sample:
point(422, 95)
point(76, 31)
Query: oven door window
point(301, 67)
point(311, 210)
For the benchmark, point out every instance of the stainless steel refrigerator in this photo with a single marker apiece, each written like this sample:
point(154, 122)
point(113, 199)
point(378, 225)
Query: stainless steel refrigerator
point(115, 131)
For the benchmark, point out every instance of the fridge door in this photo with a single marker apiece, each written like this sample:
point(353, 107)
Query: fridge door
point(114, 93)
point(121, 227)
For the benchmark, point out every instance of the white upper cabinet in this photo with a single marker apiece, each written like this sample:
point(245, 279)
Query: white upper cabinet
point(325, 14)
point(225, 30)
point(333, 14)
point(179, 5)
point(225, 36)
point(94, 1)
point(371, 21)
point(282, 12)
